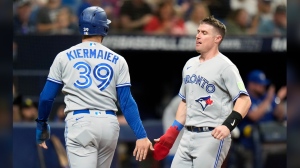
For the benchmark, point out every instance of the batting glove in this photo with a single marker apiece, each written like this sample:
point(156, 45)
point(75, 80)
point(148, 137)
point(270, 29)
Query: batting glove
point(162, 148)
point(42, 131)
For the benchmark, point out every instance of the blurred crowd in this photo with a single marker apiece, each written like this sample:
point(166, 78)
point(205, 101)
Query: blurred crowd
point(156, 17)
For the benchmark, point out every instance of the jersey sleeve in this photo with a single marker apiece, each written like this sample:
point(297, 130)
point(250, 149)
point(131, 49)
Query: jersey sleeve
point(124, 77)
point(182, 88)
point(233, 82)
point(55, 73)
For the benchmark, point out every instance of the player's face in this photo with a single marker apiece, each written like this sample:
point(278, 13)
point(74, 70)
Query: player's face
point(260, 89)
point(205, 38)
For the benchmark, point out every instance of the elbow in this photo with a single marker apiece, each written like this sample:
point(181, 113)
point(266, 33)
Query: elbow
point(248, 103)
point(45, 98)
point(244, 102)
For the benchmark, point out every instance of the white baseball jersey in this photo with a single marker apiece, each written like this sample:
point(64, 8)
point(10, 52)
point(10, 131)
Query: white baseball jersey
point(90, 73)
point(210, 89)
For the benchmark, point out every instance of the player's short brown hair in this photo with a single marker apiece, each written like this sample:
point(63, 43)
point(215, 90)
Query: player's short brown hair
point(217, 24)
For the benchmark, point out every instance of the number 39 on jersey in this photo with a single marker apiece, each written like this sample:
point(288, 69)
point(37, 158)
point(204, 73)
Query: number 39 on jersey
point(102, 72)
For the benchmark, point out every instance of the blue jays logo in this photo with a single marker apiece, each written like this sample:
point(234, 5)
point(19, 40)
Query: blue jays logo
point(205, 101)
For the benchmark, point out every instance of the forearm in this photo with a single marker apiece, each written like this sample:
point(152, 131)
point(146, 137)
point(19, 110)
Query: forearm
point(242, 105)
point(46, 99)
point(168, 115)
point(279, 111)
point(130, 112)
point(128, 24)
point(46, 27)
point(181, 112)
point(239, 111)
point(260, 111)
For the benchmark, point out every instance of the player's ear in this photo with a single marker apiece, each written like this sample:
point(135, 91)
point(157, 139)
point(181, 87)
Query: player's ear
point(218, 38)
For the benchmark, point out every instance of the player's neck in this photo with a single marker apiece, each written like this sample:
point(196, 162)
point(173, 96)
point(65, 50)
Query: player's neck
point(208, 55)
point(97, 39)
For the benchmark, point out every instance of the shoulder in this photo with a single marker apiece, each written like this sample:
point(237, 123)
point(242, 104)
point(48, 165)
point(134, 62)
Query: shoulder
point(193, 59)
point(67, 51)
point(224, 60)
point(113, 52)
point(121, 59)
point(224, 63)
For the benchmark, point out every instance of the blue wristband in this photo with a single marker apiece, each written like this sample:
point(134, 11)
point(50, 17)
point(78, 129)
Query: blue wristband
point(42, 131)
point(178, 124)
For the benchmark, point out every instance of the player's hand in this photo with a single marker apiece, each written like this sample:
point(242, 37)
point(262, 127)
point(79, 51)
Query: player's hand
point(141, 148)
point(271, 92)
point(43, 145)
point(282, 92)
point(42, 133)
point(164, 143)
point(220, 132)
point(145, 19)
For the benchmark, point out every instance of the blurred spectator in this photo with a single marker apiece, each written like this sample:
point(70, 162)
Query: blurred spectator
point(184, 8)
point(134, 15)
point(275, 3)
point(219, 8)
point(166, 21)
point(15, 51)
point(264, 13)
point(277, 26)
point(111, 7)
point(47, 22)
point(17, 102)
point(237, 22)
point(60, 113)
point(249, 5)
point(36, 5)
point(65, 22)
point(265, 108)
point(72, 4)
point(87, 3)
point(153, 4)
point(23, 24)
point(29, 111)
point(265, 9)
point(199, 12)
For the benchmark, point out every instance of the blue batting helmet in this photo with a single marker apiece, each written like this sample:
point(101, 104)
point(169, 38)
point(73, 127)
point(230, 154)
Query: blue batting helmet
point(93, 21)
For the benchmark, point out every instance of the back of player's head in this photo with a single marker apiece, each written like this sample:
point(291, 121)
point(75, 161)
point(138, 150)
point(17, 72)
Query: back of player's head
point(93, 21)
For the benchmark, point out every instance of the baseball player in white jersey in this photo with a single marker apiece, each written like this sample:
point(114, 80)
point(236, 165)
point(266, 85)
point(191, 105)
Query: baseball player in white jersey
point(92, 78)
point(214, 101)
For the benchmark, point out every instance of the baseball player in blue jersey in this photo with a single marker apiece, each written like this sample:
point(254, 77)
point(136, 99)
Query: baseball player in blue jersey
point(92, 78)
point(214, 101)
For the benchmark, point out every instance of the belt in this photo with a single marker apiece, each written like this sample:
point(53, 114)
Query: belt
point(199, 129)
point(87, 111)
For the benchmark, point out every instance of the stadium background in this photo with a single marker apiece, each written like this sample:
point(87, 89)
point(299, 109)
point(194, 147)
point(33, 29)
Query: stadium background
point(155, 75)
